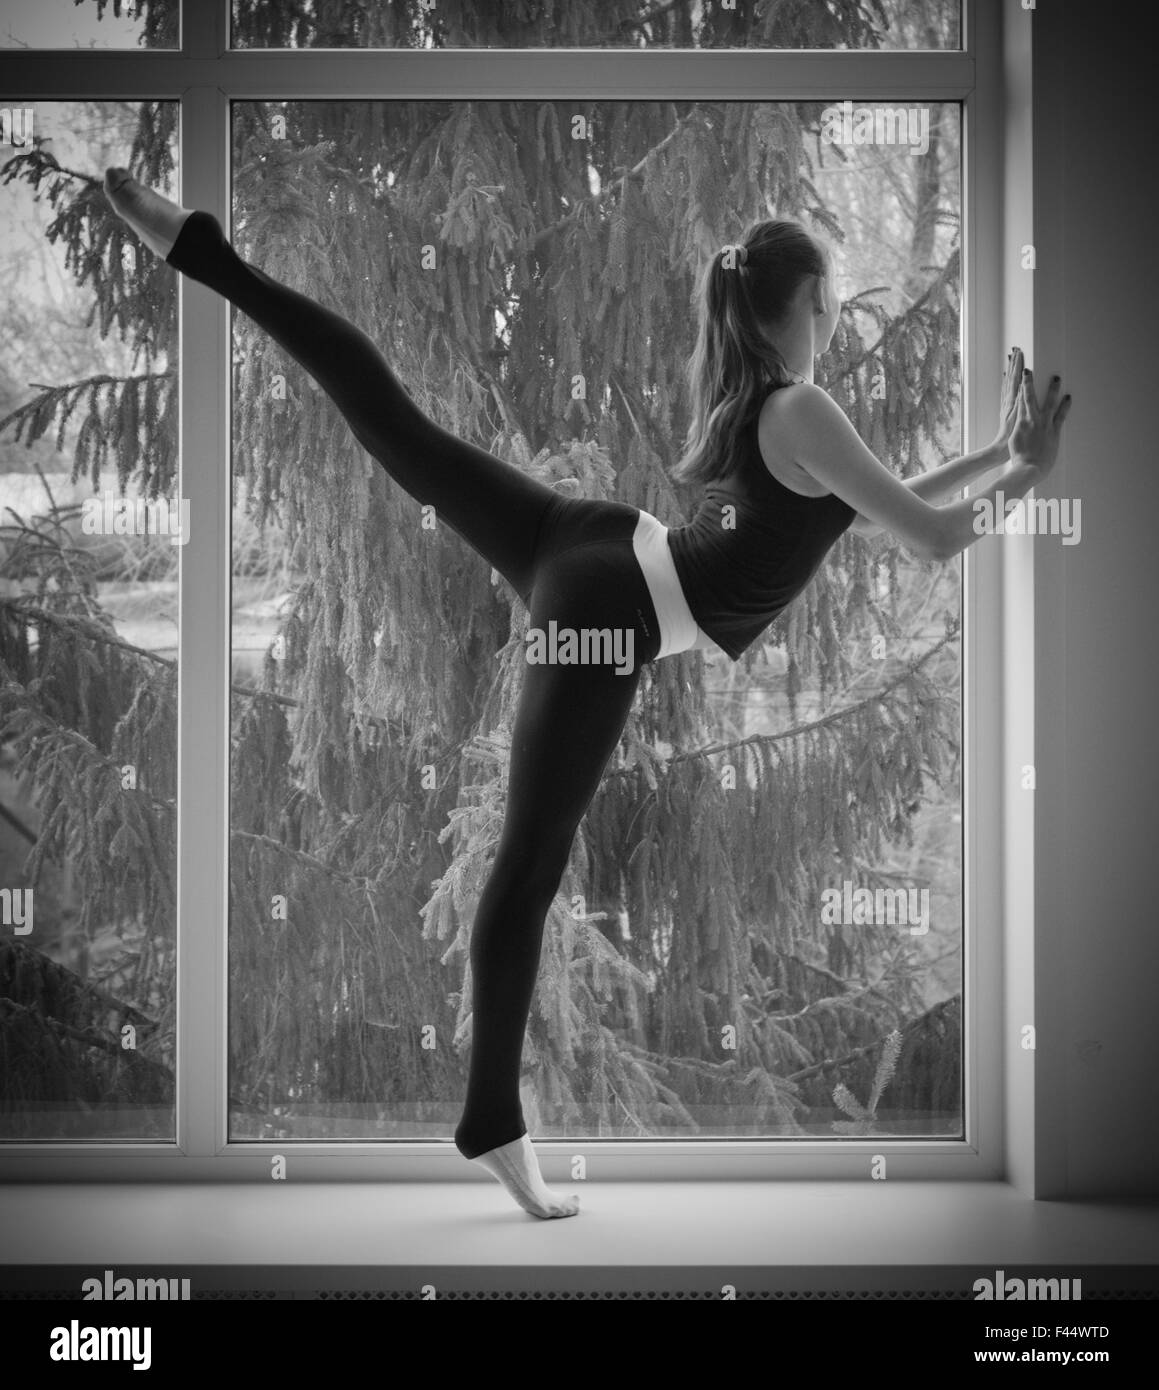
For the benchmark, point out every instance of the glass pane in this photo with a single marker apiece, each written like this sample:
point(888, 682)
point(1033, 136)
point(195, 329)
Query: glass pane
point(88, 636)
point(90, 24)
point(535, 300)
point(797, 24)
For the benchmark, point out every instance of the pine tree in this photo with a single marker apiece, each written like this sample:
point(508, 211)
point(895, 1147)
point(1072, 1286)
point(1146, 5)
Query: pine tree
point(687, 983)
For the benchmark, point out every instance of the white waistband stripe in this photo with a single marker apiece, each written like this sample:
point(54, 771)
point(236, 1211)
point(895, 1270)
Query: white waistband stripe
point(678, 629)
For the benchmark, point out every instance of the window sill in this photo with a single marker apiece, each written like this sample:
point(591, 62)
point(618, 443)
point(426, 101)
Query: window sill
point(894, 1236)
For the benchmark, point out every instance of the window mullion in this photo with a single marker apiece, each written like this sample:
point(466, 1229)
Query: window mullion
point(203, 787)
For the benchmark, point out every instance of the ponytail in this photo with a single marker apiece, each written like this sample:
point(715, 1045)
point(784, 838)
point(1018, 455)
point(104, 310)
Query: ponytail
point(733, 363)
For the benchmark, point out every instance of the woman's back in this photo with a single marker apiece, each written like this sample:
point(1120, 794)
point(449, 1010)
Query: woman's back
point(753, 543)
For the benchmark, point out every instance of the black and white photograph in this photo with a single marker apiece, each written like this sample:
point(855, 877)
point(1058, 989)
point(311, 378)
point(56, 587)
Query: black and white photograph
point(576, 690)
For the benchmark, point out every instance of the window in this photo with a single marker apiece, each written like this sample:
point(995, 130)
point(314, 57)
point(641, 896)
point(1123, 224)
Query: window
point(687, 24)
point(97, 25)
point(676, 1027)
point(661, 1012)
point(90, 612)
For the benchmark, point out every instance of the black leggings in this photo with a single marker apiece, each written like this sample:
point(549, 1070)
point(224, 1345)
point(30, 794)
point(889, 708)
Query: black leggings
point(572, 563)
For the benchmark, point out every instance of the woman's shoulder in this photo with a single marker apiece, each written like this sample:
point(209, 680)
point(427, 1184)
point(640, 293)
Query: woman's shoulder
point(774, 418)
point(789, 396)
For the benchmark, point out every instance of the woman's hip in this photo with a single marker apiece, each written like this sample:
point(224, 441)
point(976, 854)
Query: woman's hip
point(604, 573)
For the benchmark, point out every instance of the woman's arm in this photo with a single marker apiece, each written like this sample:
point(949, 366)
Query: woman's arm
point(821, 439)
point(936, 484)
point(1034, 441)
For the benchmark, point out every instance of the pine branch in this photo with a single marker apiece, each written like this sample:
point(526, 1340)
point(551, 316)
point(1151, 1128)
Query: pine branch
point(89, 1036)
point(58, 168)
point(91, 629)
point(169, 805)
point(846, 998)
point(300, 856)
point(635, 171)
point(820, 970)
point(895, 325)
point(63, 977)
point(832, 1062)
point(56, 730)
point(16, 823)
point(859, 1052)
point(53, 508)
point(767, 740)
point(75, 387)
point(95, 633)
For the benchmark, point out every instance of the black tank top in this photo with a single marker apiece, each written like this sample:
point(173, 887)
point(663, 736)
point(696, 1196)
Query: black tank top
point(751, 547)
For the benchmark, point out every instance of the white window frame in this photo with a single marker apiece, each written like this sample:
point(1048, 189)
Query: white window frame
point(997, 654)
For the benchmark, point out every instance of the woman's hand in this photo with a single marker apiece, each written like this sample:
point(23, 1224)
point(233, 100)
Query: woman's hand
point(1008, 410)
point(1034, 439)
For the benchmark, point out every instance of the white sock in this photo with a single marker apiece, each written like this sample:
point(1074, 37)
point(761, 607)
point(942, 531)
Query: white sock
point(517, 1168)
point(156, 220)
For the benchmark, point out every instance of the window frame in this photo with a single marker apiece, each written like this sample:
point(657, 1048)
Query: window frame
point(205, 77)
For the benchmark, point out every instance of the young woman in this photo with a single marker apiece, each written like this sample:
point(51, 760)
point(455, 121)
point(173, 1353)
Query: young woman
point(785, 475)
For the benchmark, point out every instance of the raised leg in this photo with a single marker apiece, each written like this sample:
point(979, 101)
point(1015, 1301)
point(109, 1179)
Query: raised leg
point(493, 505)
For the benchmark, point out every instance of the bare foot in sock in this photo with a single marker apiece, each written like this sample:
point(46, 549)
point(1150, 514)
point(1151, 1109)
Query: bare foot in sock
point(517, 1168)
point(155, 219)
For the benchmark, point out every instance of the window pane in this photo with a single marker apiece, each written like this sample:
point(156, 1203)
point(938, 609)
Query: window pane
point(90, 24)
point(535, 299)
point(88, 637)
point(798, 24)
